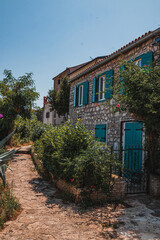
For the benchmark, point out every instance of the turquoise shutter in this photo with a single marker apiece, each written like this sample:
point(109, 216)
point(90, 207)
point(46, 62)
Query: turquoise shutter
point(108, 84)
point(85, 93)
point(97, 88)
point(147, 59)
point(75, 96)
point(100, 132)
point(133, 140)
point(94, 90)
point(122, 68)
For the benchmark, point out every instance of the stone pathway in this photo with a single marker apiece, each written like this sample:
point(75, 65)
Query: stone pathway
point(46, 217)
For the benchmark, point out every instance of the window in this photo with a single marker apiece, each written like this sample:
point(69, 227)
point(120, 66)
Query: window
point(81, 94)
point(59, 81)
point(47, 114)
point(80, 100)
point(138, 62)
point(144, 59)
point(101, 88)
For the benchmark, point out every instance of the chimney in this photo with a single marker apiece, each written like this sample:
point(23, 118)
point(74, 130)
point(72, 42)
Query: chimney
point(44, 100)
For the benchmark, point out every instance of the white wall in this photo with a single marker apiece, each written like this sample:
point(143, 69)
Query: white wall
point(45, 111)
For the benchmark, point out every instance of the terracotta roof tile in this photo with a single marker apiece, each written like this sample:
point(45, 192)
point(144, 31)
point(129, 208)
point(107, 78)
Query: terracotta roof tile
point(128, 44)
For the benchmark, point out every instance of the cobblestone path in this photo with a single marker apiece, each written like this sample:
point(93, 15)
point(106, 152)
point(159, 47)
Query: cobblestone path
point(45, 216)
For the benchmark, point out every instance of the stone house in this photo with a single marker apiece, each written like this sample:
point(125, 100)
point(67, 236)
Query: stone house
point(47, 116)
point(89, 92)
point(88, 99)
point(52, 117)
point(57, 85)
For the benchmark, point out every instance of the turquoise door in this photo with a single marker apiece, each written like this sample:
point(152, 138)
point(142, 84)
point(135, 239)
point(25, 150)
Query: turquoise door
point(132, 147)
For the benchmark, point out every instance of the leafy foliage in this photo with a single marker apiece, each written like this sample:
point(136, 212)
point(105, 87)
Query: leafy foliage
point(17, 98)
point(92, 168)
point(141, 94)
point(59, 101)
point(141, 97)
point(71, 153)
point(4, 158)
point(28, 129)
point(9, 206)
point(61, 143)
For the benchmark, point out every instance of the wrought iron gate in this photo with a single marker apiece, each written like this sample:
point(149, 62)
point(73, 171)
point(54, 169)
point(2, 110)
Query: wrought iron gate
point(135, 169)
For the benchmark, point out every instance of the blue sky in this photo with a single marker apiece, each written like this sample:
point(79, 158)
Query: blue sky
point(46, 36)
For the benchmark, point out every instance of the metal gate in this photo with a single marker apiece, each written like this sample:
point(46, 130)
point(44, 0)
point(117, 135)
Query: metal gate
point(135, 169)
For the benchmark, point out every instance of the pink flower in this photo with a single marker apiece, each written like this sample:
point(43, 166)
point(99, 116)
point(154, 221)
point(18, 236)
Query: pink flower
point(92, 186)
point(72, 180)
point(1, 115)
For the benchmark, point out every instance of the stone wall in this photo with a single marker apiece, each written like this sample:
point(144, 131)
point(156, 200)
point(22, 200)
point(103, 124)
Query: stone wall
point(154, 186)
point(118, 191)
point(99, 113)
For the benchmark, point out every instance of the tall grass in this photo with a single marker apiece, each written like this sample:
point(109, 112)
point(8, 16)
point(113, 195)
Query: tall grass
point(9, 205)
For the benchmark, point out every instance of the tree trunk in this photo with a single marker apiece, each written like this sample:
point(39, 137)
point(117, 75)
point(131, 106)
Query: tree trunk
point(152, 141)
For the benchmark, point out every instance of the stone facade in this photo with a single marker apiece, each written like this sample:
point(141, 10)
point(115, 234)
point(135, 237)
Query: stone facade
point(154, 186)
point(47, 115)
point(99, 113)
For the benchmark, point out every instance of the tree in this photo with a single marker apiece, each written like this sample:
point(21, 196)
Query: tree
point(16, 98)
point(138, 92)
point(59, 101)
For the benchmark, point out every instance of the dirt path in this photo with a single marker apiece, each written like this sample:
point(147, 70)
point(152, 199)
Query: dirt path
point(46, 217)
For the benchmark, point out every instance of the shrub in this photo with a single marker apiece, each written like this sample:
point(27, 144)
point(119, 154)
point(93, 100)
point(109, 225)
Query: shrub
point(28, 130)
point(9, 206)
point(92, 168)
point(60, 144)
point(71, 153)
point(37, 129)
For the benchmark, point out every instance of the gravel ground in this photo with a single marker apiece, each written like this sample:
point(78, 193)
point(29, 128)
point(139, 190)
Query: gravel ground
point(45, 216)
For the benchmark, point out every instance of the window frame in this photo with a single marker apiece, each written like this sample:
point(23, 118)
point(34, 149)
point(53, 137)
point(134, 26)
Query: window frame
point(101, 91)
point(138, 62)
point(80, 101)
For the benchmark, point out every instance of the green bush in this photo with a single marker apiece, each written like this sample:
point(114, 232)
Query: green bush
point(9, 206)
point(71, 153)
point(92, 168)
point(22, 133)
point(61, 143)
point(37, 129)
point(28, 129)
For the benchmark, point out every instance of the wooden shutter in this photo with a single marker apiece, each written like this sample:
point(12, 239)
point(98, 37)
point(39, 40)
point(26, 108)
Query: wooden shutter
point(85, 93)
point(108, 84)
point(94, 90)
point(147, 59)
point(75, 96)
point(100, 132)
point(122, 68)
